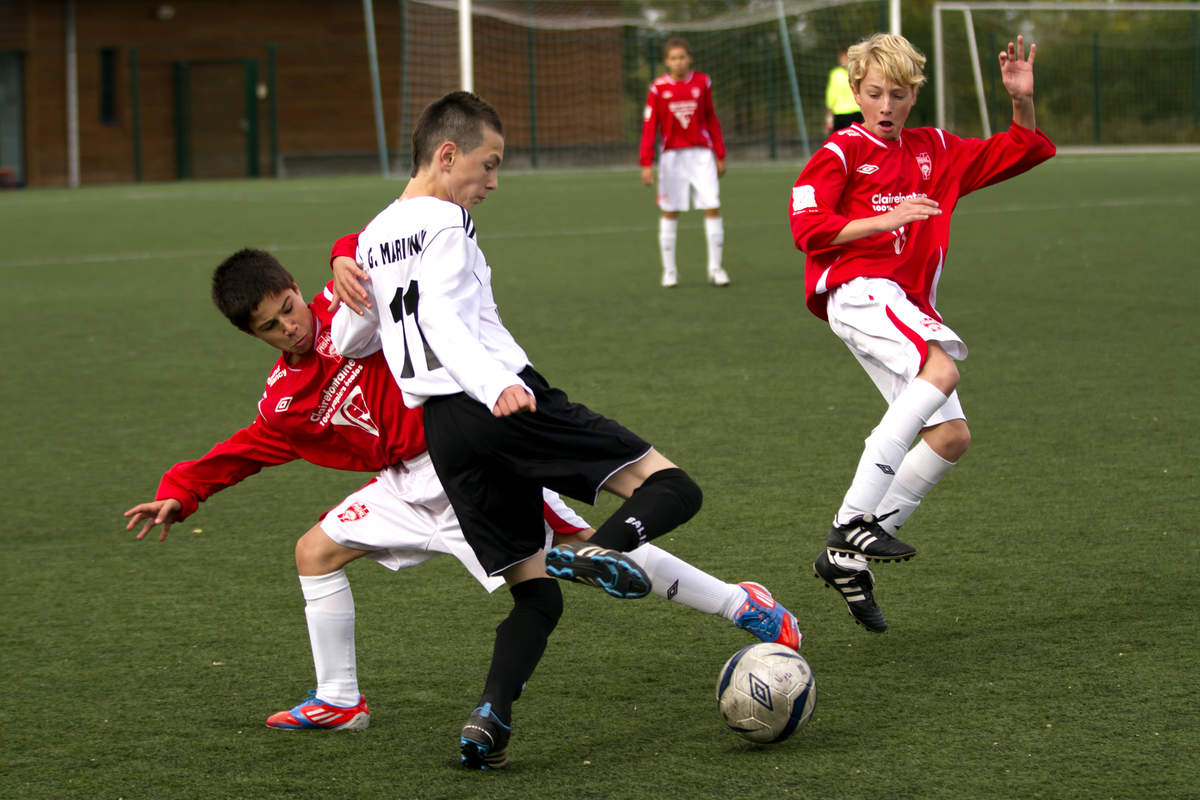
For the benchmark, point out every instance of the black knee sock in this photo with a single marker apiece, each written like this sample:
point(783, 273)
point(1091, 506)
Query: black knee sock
point(520, 641)
point(666, 500)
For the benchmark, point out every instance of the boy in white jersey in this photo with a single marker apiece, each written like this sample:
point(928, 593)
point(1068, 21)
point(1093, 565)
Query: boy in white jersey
point(402, 517)
point(871, 210)
point(495, 429)
point(679, 105)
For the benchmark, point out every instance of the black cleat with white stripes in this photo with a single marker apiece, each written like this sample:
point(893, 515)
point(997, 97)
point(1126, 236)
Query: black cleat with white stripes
point(863, 536)
point(855, 586)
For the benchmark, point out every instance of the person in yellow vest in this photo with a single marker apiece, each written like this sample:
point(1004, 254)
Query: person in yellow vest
point(840, 109)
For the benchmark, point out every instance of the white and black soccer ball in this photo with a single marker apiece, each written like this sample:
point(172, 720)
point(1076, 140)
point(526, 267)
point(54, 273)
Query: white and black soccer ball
point(766, 692)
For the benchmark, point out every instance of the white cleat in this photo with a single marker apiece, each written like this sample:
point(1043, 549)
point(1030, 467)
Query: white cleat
point(670, 278)
point(718, 277)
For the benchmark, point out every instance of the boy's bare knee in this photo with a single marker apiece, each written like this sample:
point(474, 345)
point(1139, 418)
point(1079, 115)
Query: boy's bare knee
point(939, 369)
point(949, 440)
point(317, 554)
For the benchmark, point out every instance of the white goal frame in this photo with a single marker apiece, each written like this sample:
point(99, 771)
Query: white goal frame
point(939, 70)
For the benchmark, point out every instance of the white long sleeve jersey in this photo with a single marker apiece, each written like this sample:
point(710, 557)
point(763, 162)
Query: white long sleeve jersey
point(432, 292)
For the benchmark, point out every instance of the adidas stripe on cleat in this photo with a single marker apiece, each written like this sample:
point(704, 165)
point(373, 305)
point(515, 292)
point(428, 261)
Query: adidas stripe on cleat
point(314, 714)
point(483, 743)
point(610, 570)
point(855, 587)
point(863, 536)
point(767, 619)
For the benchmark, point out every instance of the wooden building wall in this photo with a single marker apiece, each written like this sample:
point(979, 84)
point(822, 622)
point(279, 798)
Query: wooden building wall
point(322, 80)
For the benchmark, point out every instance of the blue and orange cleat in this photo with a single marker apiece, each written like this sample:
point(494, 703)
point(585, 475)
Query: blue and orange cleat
point(314, 714)
point(767, 619)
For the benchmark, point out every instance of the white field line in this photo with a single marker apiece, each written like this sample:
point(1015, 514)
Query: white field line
point(210, 253)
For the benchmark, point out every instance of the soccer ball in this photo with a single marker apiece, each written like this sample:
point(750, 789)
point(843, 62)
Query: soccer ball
point(766, 692)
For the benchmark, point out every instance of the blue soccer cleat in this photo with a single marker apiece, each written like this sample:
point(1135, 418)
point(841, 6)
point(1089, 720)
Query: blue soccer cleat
point(610, 570)
point(767, 619)
point(484, 740)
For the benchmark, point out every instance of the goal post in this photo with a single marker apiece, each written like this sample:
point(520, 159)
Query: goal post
point(1111, 74)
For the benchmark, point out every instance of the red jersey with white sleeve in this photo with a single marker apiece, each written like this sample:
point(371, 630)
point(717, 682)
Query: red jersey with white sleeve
point(856, 175)
point(331, 411)
point(683, 111)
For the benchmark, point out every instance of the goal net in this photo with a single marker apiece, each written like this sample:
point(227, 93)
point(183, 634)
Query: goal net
point(1106, 74)
point(570, 78)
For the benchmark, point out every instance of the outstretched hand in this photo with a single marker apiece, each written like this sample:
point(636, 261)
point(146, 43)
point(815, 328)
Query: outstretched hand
point(157, 512)
point(1016, 70)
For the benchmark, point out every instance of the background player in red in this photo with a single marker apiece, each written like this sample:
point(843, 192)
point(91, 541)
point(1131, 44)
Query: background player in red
point(871, 210)
point(347, 414)
point(680, 106)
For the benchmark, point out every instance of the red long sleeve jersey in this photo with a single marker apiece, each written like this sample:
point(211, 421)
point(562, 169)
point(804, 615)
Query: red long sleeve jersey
point(325, 409)
point(856, 175)
point(684, 112)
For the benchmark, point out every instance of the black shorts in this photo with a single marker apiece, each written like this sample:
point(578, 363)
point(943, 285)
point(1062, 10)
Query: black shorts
point(494, 468)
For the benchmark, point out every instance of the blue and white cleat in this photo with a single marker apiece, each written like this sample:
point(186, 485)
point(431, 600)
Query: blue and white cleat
point(767, 619)
point(484, 740)
point(610, 570)
point(314, 714)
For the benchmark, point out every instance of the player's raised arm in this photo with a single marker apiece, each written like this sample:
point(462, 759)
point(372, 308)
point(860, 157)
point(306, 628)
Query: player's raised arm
point(1017, 72)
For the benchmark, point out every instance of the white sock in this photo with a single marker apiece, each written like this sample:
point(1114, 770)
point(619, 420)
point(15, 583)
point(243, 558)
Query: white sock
point(667, 230)
point(919, 472)
point(675, 579)
point(886, 447)
point(848, 560)
point(329, 608)
point(714, 232)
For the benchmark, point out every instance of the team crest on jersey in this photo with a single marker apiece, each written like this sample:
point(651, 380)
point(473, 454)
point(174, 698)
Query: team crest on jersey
point(325, 345)
point(683, 111)
point(867, 169)
point(354, 412)
point(353, 513)
point(276, 375)
point(926, 165)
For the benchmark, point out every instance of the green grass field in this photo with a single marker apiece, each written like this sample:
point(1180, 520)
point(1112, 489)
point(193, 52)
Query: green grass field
point(1043, 645)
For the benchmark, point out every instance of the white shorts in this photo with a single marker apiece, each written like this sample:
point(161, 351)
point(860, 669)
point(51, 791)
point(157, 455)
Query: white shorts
point(403, 518)
point(687, 178)
point(887, 333)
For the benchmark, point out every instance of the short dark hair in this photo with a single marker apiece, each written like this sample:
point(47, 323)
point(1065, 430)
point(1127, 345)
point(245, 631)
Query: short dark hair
point(676, 41)
point(458, 117)
point(244, 280)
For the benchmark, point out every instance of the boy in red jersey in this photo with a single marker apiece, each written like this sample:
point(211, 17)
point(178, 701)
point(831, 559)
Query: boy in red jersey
point(347, 413)
point(693, 157)
point(871, 210)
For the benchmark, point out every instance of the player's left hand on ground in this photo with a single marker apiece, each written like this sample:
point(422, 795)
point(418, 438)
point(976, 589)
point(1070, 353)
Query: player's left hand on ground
point(158, 512)
point(514, 400)
point(349, 285)
point(1016, 70)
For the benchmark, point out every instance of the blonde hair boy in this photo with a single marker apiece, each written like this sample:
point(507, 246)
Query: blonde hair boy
point(896, 58)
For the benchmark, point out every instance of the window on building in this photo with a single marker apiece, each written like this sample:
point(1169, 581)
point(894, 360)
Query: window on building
point(108, 85)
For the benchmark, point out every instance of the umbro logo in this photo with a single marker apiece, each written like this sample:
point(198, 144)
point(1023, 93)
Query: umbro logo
point(282, 405)
point(885, 469)
point(673, 590)
point(867, 169)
